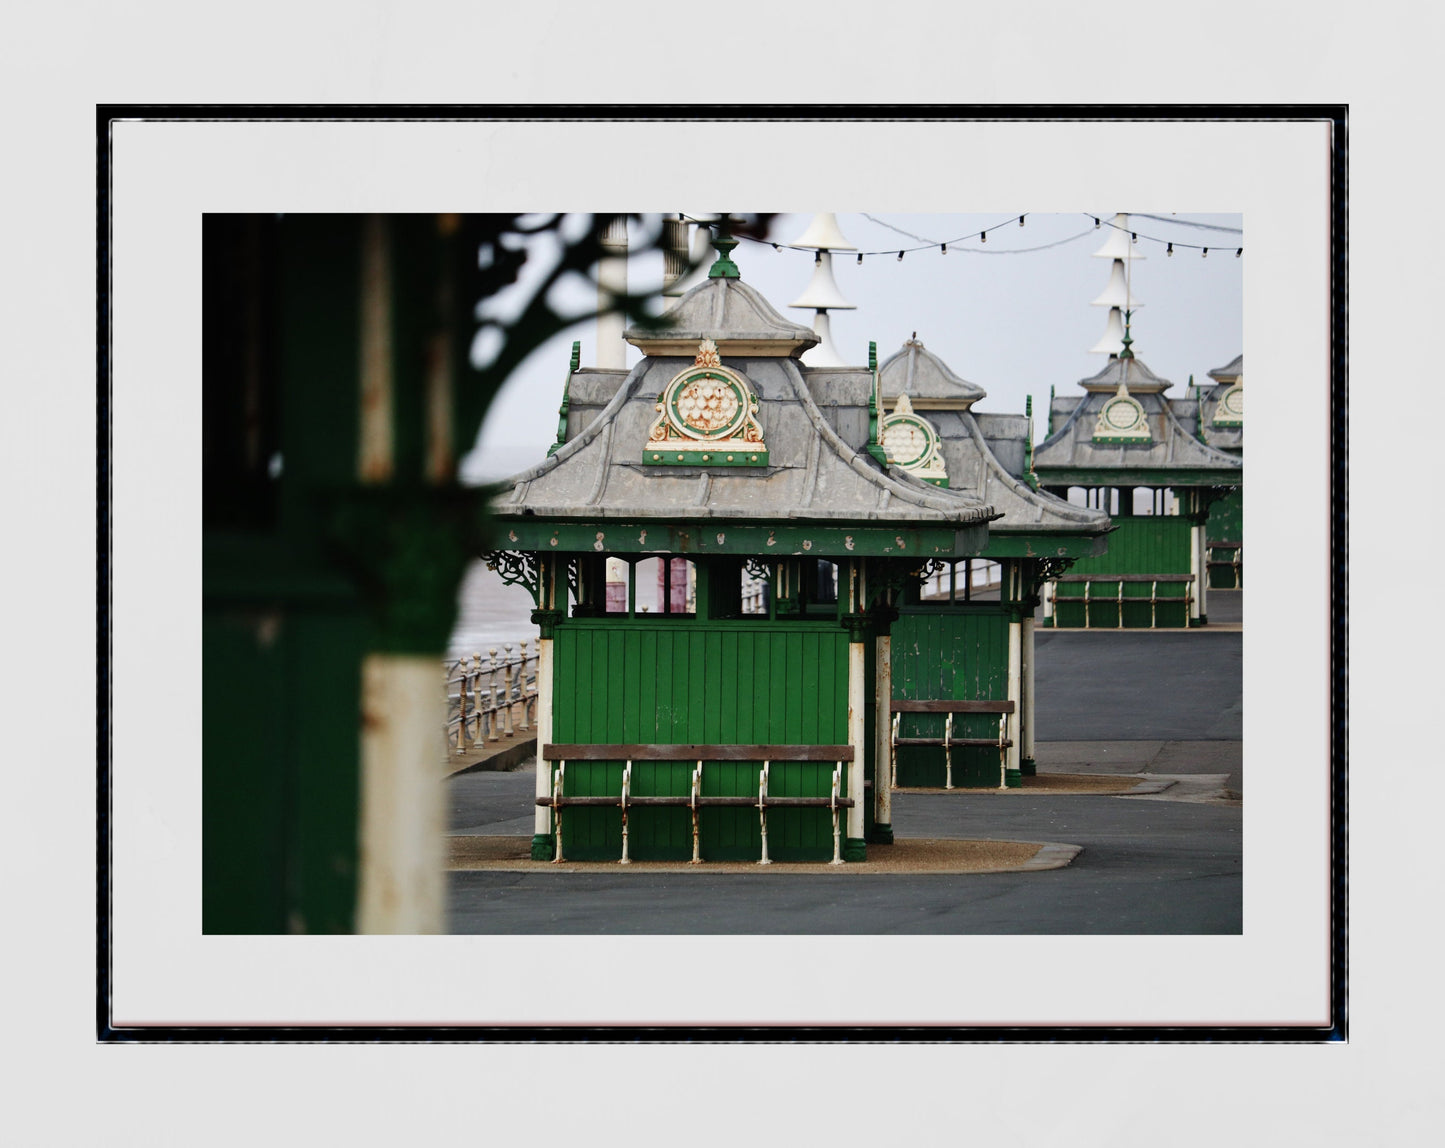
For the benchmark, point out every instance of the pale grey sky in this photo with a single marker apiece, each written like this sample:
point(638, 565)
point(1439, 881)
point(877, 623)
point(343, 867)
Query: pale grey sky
point(1013, 324)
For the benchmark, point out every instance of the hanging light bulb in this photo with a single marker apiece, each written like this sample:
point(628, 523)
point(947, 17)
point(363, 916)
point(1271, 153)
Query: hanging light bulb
point(944, 248)
point(1133, 237)
point(1096, 223)
point(1239, 252)
point(983, 236)
point(900, 257)
point(777, 247)
point(860, 257)
point(1204, 254)
point(818, 257)
point(1169, 250)
point(1021, 220)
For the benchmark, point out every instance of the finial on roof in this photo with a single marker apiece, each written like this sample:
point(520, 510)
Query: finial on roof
point(1126, 353)
point(723, 243)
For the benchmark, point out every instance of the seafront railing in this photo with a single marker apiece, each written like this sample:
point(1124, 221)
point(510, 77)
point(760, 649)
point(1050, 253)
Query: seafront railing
point(490, 699)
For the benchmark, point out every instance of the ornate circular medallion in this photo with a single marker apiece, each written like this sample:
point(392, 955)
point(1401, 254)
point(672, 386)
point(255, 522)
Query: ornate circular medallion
point(1231, 404)
point(1122, 416)
point(708, 403)
point(905, 440)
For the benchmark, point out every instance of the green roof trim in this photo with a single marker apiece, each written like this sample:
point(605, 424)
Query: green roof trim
point(725, 537)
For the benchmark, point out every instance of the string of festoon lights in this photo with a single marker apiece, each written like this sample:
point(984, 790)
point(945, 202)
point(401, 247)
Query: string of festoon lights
point(942, 246)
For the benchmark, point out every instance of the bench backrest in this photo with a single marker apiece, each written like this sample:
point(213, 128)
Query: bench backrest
point(1125, 578)
point(567, 752)
point(948, 706)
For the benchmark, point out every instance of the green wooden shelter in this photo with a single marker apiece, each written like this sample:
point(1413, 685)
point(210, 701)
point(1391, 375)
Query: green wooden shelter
point(1216, 414)
point(708, 732)
point(1123, 447)
point(963, 642)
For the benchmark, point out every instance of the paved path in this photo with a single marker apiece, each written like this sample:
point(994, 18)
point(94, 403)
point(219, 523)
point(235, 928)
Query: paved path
point(1165, 864)
point(1166, 705)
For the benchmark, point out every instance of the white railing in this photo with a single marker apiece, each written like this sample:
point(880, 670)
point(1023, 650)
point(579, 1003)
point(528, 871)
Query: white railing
point(490, 699)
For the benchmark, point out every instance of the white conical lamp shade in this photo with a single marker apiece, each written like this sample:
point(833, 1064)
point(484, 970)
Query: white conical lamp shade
point(823, 234)
point(825, 354)
point(1116, 294)
point(822, 293)
point(1113, 341)
point(1119, 245)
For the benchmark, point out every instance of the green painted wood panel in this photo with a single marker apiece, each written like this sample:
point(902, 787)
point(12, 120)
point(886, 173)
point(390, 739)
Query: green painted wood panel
point(722, 682)
point(956, 653)
point(1226, 524)
point(1144, 544)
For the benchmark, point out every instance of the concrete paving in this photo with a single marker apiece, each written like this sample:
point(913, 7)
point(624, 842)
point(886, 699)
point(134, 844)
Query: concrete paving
point(1164, 707)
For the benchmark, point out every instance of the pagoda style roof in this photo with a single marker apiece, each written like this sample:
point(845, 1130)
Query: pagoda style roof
point(1141, 379)
point(1231, 372)
point(597, 489)
point(1217, 426)
point(926, 380)
point(733, 315)
point(986, 456)
point(976, 471)
point(1171, 454)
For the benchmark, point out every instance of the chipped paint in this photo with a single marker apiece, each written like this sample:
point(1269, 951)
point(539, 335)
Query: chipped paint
point(807, 544)
point(848, 541)
point(721, 539)
point(771, 540)
point(642, 539)
point(511, 536)
point(598, 544)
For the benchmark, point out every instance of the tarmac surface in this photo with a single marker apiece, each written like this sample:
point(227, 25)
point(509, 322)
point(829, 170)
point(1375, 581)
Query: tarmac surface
point(1163, 708)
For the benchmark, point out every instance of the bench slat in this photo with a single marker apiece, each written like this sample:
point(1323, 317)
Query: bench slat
point(569, 752)
point(967, 742)
point(943, 706)
point(682, 801)
point(1125, 578)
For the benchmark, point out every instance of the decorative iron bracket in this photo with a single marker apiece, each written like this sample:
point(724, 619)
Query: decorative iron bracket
point(517, 568)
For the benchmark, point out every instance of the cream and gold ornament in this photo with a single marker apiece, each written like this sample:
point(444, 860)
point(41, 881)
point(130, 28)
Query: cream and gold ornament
point(910, 442)
point(707, 415)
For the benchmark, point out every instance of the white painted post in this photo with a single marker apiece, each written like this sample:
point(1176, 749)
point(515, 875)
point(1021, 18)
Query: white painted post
point(477, 707)
point(1196, 552)
point(496, 726)
point(402, 824)
point(507, 689)
point(856, 695)
point(542, 824)
point(882, 742)
point(1201, 577)
point(1015, 681)
point(1026, 701)
point(522, 685)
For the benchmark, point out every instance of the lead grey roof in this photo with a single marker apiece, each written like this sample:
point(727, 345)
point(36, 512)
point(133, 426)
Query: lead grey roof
point(925, 378)
point(730, 313)
point(1171, 446)
point(972, 454)
point(1231, 371)
point(1140, 378)
point(975, 471)
point(813, 475)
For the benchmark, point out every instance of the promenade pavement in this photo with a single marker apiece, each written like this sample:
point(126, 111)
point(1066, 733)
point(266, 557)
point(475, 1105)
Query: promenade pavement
point(1164, 707)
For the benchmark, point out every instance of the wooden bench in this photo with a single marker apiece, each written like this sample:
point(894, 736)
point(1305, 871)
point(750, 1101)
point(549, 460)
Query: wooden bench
point(1235, 563)
point(694, 800)
point(1187, 598)
point(900, 706)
